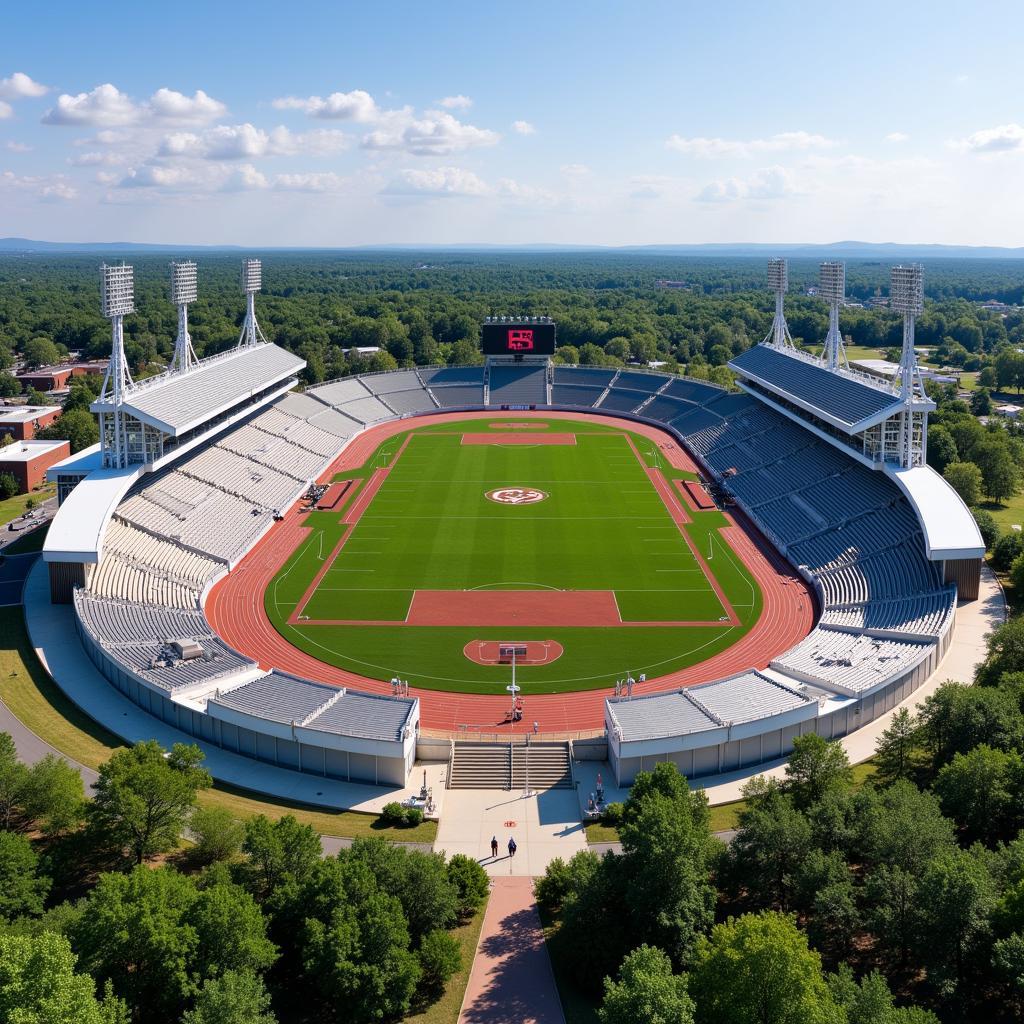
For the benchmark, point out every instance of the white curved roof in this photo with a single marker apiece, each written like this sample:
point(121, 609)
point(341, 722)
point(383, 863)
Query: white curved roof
point(949, 528)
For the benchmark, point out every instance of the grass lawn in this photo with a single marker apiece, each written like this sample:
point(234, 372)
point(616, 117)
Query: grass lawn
point(33, 698)
point(446, 1009)
point(11, 508)
point(1010, 514)
point(601, 526)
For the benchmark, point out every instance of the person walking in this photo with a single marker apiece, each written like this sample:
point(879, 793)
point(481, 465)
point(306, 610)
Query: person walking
point(512, 846)
point(494, 847)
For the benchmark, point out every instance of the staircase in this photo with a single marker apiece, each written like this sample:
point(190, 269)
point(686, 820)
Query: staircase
point(480, 766)
point(503, 766)
point(549, 766)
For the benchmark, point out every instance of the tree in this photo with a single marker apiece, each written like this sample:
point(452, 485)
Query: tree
point(1016, 574)
point(955, 718)
point(999, 473)
point(230, 932)
point(965, 479)
point(440, 957)
point(40, 352)
point(666, 844)
point(1005, 652)
point(8, 486)
point(891, 908)
point(354, 945)
point(217, 832)
point(77, 426)
point(941, 448)
point(9, 386)
point(771, 842)
point(53, 796)
point(144, 797)
point(758, 968)
point(894, 752)
point(871, 1002)
point(956, 898)
point(646, 992)
point(981, 403)
point(816, 767)
point(132, 934)
point(13, 778)
point(38, 984)
point(278, 851)
point(238, 997)
point(22, 889)
point(987, 526)
point(983, 791)
point(470, 881)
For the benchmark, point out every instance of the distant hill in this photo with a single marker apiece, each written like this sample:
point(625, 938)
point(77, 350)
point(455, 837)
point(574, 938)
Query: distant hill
point(847, 249)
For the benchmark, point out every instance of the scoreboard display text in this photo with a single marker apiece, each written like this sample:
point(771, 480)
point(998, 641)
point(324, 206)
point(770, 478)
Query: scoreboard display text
point(511, 339)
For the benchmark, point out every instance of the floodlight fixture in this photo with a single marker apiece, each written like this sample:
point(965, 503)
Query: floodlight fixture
point(906, 289)
point(778, 281)
point(184, 283)
point(832, 288)
point(117, 290)
point(252, 276)
point(184, 289)
point(252, 281)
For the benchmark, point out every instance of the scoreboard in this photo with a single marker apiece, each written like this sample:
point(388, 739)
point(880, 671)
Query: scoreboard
point(508, 337)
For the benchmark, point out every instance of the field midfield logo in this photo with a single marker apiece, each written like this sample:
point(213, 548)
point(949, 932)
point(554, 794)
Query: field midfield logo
point(516, 495)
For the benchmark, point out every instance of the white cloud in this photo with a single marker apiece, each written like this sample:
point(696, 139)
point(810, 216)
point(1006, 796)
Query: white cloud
point(175, 106)
point(18, 147)
point(523, 128)
point(247, 142)
point(436, 133)
point(6, 110)
point(575, 170)
point(441, 181)
point(194, 178)
point(458, 102)
point(1002, 139)
point(769, 183)
point(106, 106)
point(710, 148)
point(897, 137)
point(19, 87)
point(96, 159)
point(357, 105)
point(312, 182)
point(51, 188)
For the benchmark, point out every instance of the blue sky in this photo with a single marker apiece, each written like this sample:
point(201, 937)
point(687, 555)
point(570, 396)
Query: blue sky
point(564, 122)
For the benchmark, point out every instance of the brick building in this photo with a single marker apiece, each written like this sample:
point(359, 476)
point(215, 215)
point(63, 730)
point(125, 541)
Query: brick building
point(28, 461)
point(22, 421)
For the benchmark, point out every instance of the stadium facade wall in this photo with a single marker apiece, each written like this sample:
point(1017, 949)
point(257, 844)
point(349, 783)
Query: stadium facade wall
point(346, 758)
point(761, 742)
point(966, 574)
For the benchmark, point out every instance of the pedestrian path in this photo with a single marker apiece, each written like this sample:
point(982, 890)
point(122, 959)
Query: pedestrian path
point(511, 981)
point(545, 825)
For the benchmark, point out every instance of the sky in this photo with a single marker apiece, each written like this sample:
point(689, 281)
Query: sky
point(563, 122)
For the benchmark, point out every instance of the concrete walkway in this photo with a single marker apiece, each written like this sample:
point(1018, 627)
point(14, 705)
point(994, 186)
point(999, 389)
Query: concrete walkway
point(511, 981)
point(53, 634)
point(545, 825)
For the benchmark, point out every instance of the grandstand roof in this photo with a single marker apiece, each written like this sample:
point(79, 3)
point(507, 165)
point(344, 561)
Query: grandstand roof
point(843, 400)
point(178, 402)
point(950, 530)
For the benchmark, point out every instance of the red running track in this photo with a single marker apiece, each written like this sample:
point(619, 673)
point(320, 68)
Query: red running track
point(235, 609)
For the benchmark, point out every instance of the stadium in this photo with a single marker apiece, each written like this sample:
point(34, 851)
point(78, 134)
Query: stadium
point(448, 563)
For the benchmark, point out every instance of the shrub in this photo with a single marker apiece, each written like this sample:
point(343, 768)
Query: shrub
point(1006, 550)
point(440, 958)
point(393, 813)
point(612, 816)
point(987, 526)
point(217, 832)
point(553, 886)
point(470, 881)
point(413, 817)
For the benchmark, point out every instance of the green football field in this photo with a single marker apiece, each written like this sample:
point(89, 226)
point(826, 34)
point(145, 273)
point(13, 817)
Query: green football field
point(601, 527)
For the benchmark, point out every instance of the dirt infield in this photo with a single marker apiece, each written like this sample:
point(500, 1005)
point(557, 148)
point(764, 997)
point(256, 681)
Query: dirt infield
point(519, 439)
point(236, 610)
point(538, 652)
point(518, 426)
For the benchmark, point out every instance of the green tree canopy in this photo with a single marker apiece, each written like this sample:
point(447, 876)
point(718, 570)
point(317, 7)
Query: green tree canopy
point(646, 992)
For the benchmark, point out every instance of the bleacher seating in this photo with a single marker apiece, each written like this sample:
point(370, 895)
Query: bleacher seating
point(622, 400)
point(586, 376)
point(458, 396)
point(518, 385)
point(340, 391)
point(577, 395)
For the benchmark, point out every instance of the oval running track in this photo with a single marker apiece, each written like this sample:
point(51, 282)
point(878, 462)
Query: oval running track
point(235, 608)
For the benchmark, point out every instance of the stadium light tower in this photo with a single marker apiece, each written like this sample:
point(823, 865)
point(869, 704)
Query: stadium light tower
point(906, 296)
point(778, 281)
point(184, 289)
point(117, 300)
point(252, 282)
point(832, 286)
